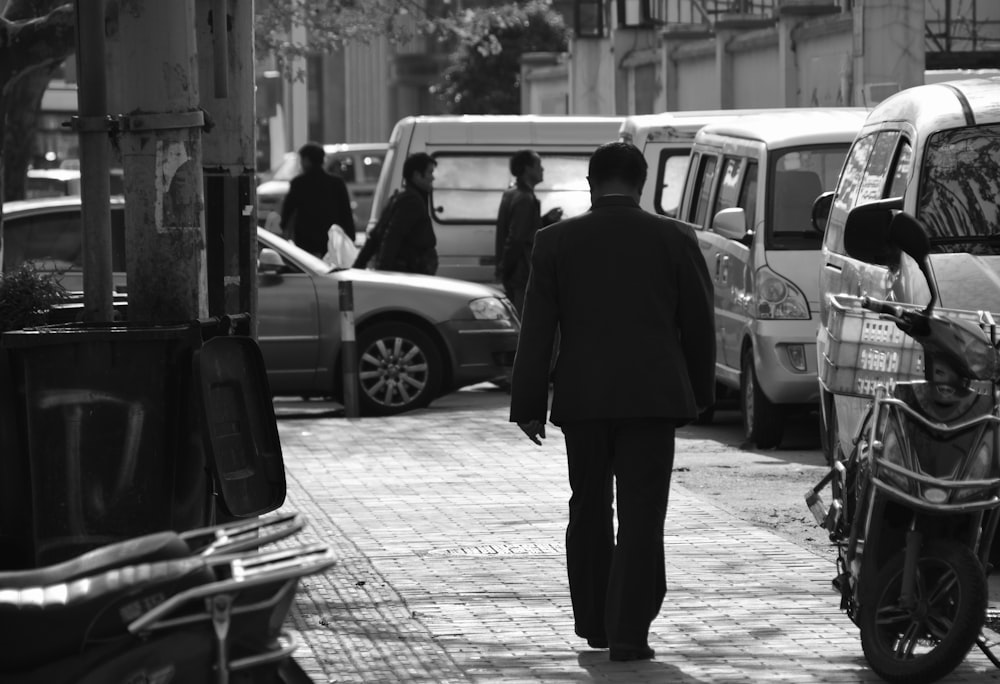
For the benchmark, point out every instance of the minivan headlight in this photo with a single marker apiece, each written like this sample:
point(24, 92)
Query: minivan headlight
point(489, 309)
point(778, 297)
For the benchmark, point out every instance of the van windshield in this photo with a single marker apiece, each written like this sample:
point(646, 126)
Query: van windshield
point(959, 195)
point(799, 177)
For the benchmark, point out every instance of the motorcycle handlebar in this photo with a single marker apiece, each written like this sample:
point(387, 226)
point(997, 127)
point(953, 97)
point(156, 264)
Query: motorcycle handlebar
point(882, 307)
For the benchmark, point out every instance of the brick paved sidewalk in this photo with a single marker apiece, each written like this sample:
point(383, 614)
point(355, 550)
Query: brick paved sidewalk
point(448, 527)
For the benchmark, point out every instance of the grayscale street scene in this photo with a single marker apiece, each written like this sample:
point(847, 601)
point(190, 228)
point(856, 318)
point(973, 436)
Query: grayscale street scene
point(499, 341)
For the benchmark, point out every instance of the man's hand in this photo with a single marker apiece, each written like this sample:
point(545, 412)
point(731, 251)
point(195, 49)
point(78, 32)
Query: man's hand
point(552, 215)
point(535, 429)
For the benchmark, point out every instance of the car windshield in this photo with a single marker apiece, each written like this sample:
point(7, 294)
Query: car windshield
point(959, 196)
point(800, 176)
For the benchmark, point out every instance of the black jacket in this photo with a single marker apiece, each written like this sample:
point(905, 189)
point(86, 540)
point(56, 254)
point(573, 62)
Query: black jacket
point(633, 301)
point(409, 243)
point(315, 201)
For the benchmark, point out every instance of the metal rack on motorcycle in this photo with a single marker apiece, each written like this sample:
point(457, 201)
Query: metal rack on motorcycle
point(864, 350)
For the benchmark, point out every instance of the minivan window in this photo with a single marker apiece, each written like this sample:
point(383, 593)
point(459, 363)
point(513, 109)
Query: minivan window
point(670, 172)
point(959, 195)
point(873, 181)
point(703, 190)
point(468, 187)
point(800, 176)
point(847, 192)
point(901, 174)
point(729, 186)
point(748, 194)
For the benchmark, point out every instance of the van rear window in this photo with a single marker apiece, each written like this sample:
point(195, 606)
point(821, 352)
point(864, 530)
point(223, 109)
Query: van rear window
point(468, 187)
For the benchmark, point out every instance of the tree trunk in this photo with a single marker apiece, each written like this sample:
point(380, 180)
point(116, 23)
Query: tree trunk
point(25, 98)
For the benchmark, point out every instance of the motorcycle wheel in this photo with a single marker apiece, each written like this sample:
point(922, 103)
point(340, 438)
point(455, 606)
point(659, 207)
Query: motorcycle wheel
point(926, 642)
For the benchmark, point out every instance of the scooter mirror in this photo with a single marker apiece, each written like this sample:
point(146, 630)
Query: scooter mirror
point(909, 235)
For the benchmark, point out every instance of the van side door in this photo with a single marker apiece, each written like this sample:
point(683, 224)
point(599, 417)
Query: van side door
point(737, 188)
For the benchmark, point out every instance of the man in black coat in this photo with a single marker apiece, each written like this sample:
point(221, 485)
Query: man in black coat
point(633, 301)
point(409, 243)
point(315, 201)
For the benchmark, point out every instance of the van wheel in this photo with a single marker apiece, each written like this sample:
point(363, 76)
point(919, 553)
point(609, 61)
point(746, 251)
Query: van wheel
point(399, 369)
point(763, 421)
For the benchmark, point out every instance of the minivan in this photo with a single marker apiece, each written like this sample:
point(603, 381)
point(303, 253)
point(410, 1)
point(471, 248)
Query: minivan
point(749, 192)
point(665, 141)
point(473, 154)
point(932, 151)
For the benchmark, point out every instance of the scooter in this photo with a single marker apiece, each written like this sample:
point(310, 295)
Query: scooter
point(916, 503)
point(206, 605)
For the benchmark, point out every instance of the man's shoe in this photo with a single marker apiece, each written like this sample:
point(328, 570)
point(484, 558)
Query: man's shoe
point(597, 642)
point(627, 653)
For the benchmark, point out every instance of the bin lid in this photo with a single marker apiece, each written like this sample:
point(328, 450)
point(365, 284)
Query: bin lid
point(240, 429)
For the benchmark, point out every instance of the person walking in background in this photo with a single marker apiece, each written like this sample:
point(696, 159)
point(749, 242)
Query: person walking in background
point(632, 298)
point(315, 201)
point(408, 243)
point(518, 219)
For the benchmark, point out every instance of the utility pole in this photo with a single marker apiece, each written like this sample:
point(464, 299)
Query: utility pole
point(162, 160)
point(227, 77)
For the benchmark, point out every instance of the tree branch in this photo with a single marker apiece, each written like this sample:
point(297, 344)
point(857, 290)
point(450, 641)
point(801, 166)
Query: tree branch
point(28, 44)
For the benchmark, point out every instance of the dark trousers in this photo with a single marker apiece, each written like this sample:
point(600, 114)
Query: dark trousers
point(617, 588)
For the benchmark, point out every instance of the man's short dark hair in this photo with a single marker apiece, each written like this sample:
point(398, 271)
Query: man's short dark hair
point(620, 161)
point(418, 162)
point(313, 152)
point(520, 161)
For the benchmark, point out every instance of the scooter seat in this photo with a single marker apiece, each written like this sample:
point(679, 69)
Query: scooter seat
point(149, 548)
point(42, 623)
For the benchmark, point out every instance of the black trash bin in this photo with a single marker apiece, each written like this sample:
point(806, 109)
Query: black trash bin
point(109, 432)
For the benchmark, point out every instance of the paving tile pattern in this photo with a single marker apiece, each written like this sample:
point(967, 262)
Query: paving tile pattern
point(448, 527)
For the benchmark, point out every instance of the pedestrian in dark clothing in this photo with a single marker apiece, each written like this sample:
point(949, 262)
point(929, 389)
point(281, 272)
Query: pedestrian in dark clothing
point(518, 219)
point(632, 298)
point(315, 201)
point(409, 244)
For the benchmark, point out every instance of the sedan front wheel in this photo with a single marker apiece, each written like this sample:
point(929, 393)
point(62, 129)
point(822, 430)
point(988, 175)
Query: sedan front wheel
point(399, 369)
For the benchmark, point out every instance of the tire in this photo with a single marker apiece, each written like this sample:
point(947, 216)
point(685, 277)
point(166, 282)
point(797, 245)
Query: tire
point(399, 369)
point(951, 608)
point(763, 422)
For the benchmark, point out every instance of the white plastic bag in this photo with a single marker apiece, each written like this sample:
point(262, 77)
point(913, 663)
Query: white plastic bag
point(340, 250)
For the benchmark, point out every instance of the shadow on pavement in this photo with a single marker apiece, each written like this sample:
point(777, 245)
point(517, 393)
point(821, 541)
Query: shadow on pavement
point(600, 669)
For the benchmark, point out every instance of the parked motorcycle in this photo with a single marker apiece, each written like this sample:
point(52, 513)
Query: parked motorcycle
point(206, 605)
point(916, 503)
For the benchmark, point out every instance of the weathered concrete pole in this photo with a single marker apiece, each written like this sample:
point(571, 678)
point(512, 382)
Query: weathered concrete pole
point(226, 76)
point(162, 160)
point(95, 186)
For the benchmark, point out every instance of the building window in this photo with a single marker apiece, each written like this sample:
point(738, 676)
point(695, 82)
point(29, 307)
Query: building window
point(634, 13)
point(588, 19)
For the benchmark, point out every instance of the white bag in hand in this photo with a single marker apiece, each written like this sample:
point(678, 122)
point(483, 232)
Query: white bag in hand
point(340, 250)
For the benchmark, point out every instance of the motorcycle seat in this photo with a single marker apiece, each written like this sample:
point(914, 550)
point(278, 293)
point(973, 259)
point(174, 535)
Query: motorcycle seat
point(149, 548)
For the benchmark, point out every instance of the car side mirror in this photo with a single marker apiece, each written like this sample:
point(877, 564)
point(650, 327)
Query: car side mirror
point(731, 223)
point(821, 211)
point(269, 261)
point(867, 235)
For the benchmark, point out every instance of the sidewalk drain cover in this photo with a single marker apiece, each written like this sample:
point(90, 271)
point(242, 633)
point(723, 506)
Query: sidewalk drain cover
point(501, 550)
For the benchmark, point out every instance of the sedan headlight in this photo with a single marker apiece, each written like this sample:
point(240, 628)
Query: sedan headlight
point(489, 309)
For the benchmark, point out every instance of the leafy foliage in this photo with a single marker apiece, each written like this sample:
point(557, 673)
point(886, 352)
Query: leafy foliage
point(484, 75)
point(25, 297)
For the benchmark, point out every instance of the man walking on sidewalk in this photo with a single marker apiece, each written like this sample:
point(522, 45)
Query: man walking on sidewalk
point(632, 298)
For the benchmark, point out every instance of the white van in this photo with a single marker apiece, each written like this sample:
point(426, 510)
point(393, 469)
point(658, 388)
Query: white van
point(473, 155)
point(749, 192)
point(932, 151)
point(665, 140)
